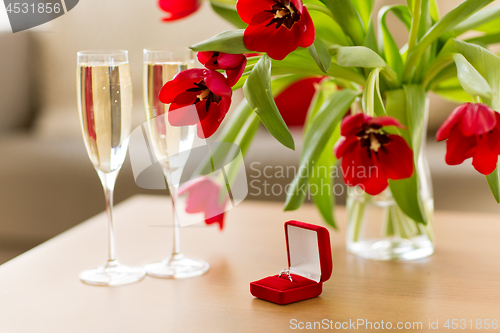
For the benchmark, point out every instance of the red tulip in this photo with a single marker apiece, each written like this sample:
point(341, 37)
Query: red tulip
point(276, 27)
point(197, 96)
point(293, 109)
point(233, 64)
point(203, 197)
point(472, 130)
point(177, 9)
point(370, 156)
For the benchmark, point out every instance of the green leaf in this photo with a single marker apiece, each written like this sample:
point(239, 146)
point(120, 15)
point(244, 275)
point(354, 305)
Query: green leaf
point(411, 6)
point(257, 90)
point(452, 90)
point(492, 26)
point(448, 72)
point(372, 100)
point(457, 95)
point(371, 39)
point(494, 183)
point(228, 134)
point(364, 9)
point(230, 41)
point(347, 17)
point(408, 105)
point(358, 56)
point(228, 12)
point(299, 62)
point(415, 114)
point(403, 14)
point(388, 45)
point(243, 141)
point(327, 29)
point(443, 60)
point(488, 65)
point(485, 39)
point(322, 182)
point(470, 79)
point(425, 18)
point(479, 19)
point(319, 52)
point(447, 23)
point(322, 126)
point(434, 11)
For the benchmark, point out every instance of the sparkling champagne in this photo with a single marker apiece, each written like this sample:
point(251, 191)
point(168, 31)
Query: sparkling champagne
point(156, 74)
point(105, 106)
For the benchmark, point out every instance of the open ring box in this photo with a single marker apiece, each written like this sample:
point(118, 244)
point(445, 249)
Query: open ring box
point(309, 262)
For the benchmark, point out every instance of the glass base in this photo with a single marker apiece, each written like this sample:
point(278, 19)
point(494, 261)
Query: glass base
point(177, 267)
point(392, 248)
point(112, 274)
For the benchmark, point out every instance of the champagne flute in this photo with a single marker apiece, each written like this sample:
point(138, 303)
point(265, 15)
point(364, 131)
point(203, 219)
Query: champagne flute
point(168, 142)
point(104, 89)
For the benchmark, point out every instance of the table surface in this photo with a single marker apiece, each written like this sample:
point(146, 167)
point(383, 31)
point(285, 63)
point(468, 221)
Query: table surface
point(40, 290)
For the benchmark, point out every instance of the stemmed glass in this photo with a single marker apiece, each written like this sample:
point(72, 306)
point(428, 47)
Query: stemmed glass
point(170, 145)
point(104, 89)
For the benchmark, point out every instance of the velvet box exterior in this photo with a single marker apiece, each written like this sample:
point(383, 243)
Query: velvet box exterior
point(309, 262)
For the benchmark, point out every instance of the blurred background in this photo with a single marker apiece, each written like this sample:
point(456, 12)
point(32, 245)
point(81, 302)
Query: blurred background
point(47, 182)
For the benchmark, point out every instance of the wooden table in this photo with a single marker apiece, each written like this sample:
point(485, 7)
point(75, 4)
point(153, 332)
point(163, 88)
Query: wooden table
point(40, 290)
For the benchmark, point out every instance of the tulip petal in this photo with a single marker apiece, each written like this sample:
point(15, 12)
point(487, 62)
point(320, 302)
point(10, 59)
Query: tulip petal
point(209, 125)
point(247, 9)
point(494, 136)
point(397, 159)
point(298, 5)
point(376, 183)
point(307, 30)
point(277, 43)
point(185, 115)
point(217, 83)
point(459, 147)
point(477, 120)
point(454, 118)
point(193, 74)
point(385, 121)
point(216, 219)
point(172, 89)
point(343, 144)
point(233, 75)
point(484, 160)
point(207, 58)
point(178, 9)
point(352, 124)
point(230, 61)
point(185, 98)
point(355, 165)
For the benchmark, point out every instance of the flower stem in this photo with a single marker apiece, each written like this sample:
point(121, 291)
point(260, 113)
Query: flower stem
point(415, 23)
point(476, 99)
point(319, 8)
point(358, 209)
point(370, 90)
point(412, 60)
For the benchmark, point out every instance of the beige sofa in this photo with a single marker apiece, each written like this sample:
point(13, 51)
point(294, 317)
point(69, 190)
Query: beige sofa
point(47, 183)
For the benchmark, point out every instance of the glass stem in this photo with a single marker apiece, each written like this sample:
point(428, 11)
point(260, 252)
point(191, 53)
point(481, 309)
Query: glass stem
point(177, 246)
point(176, 250)
point(108, 181)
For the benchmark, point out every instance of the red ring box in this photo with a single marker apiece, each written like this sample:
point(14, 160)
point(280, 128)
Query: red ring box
point(309, 261)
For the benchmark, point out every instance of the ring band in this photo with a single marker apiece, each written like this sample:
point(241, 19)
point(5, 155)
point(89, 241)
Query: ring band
point(287, 273)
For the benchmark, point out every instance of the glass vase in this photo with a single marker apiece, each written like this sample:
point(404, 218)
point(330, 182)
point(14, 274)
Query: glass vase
point(378, 229)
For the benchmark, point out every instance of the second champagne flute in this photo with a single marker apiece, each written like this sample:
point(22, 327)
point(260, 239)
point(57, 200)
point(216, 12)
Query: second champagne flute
point(104, 90)
point(161, 66)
